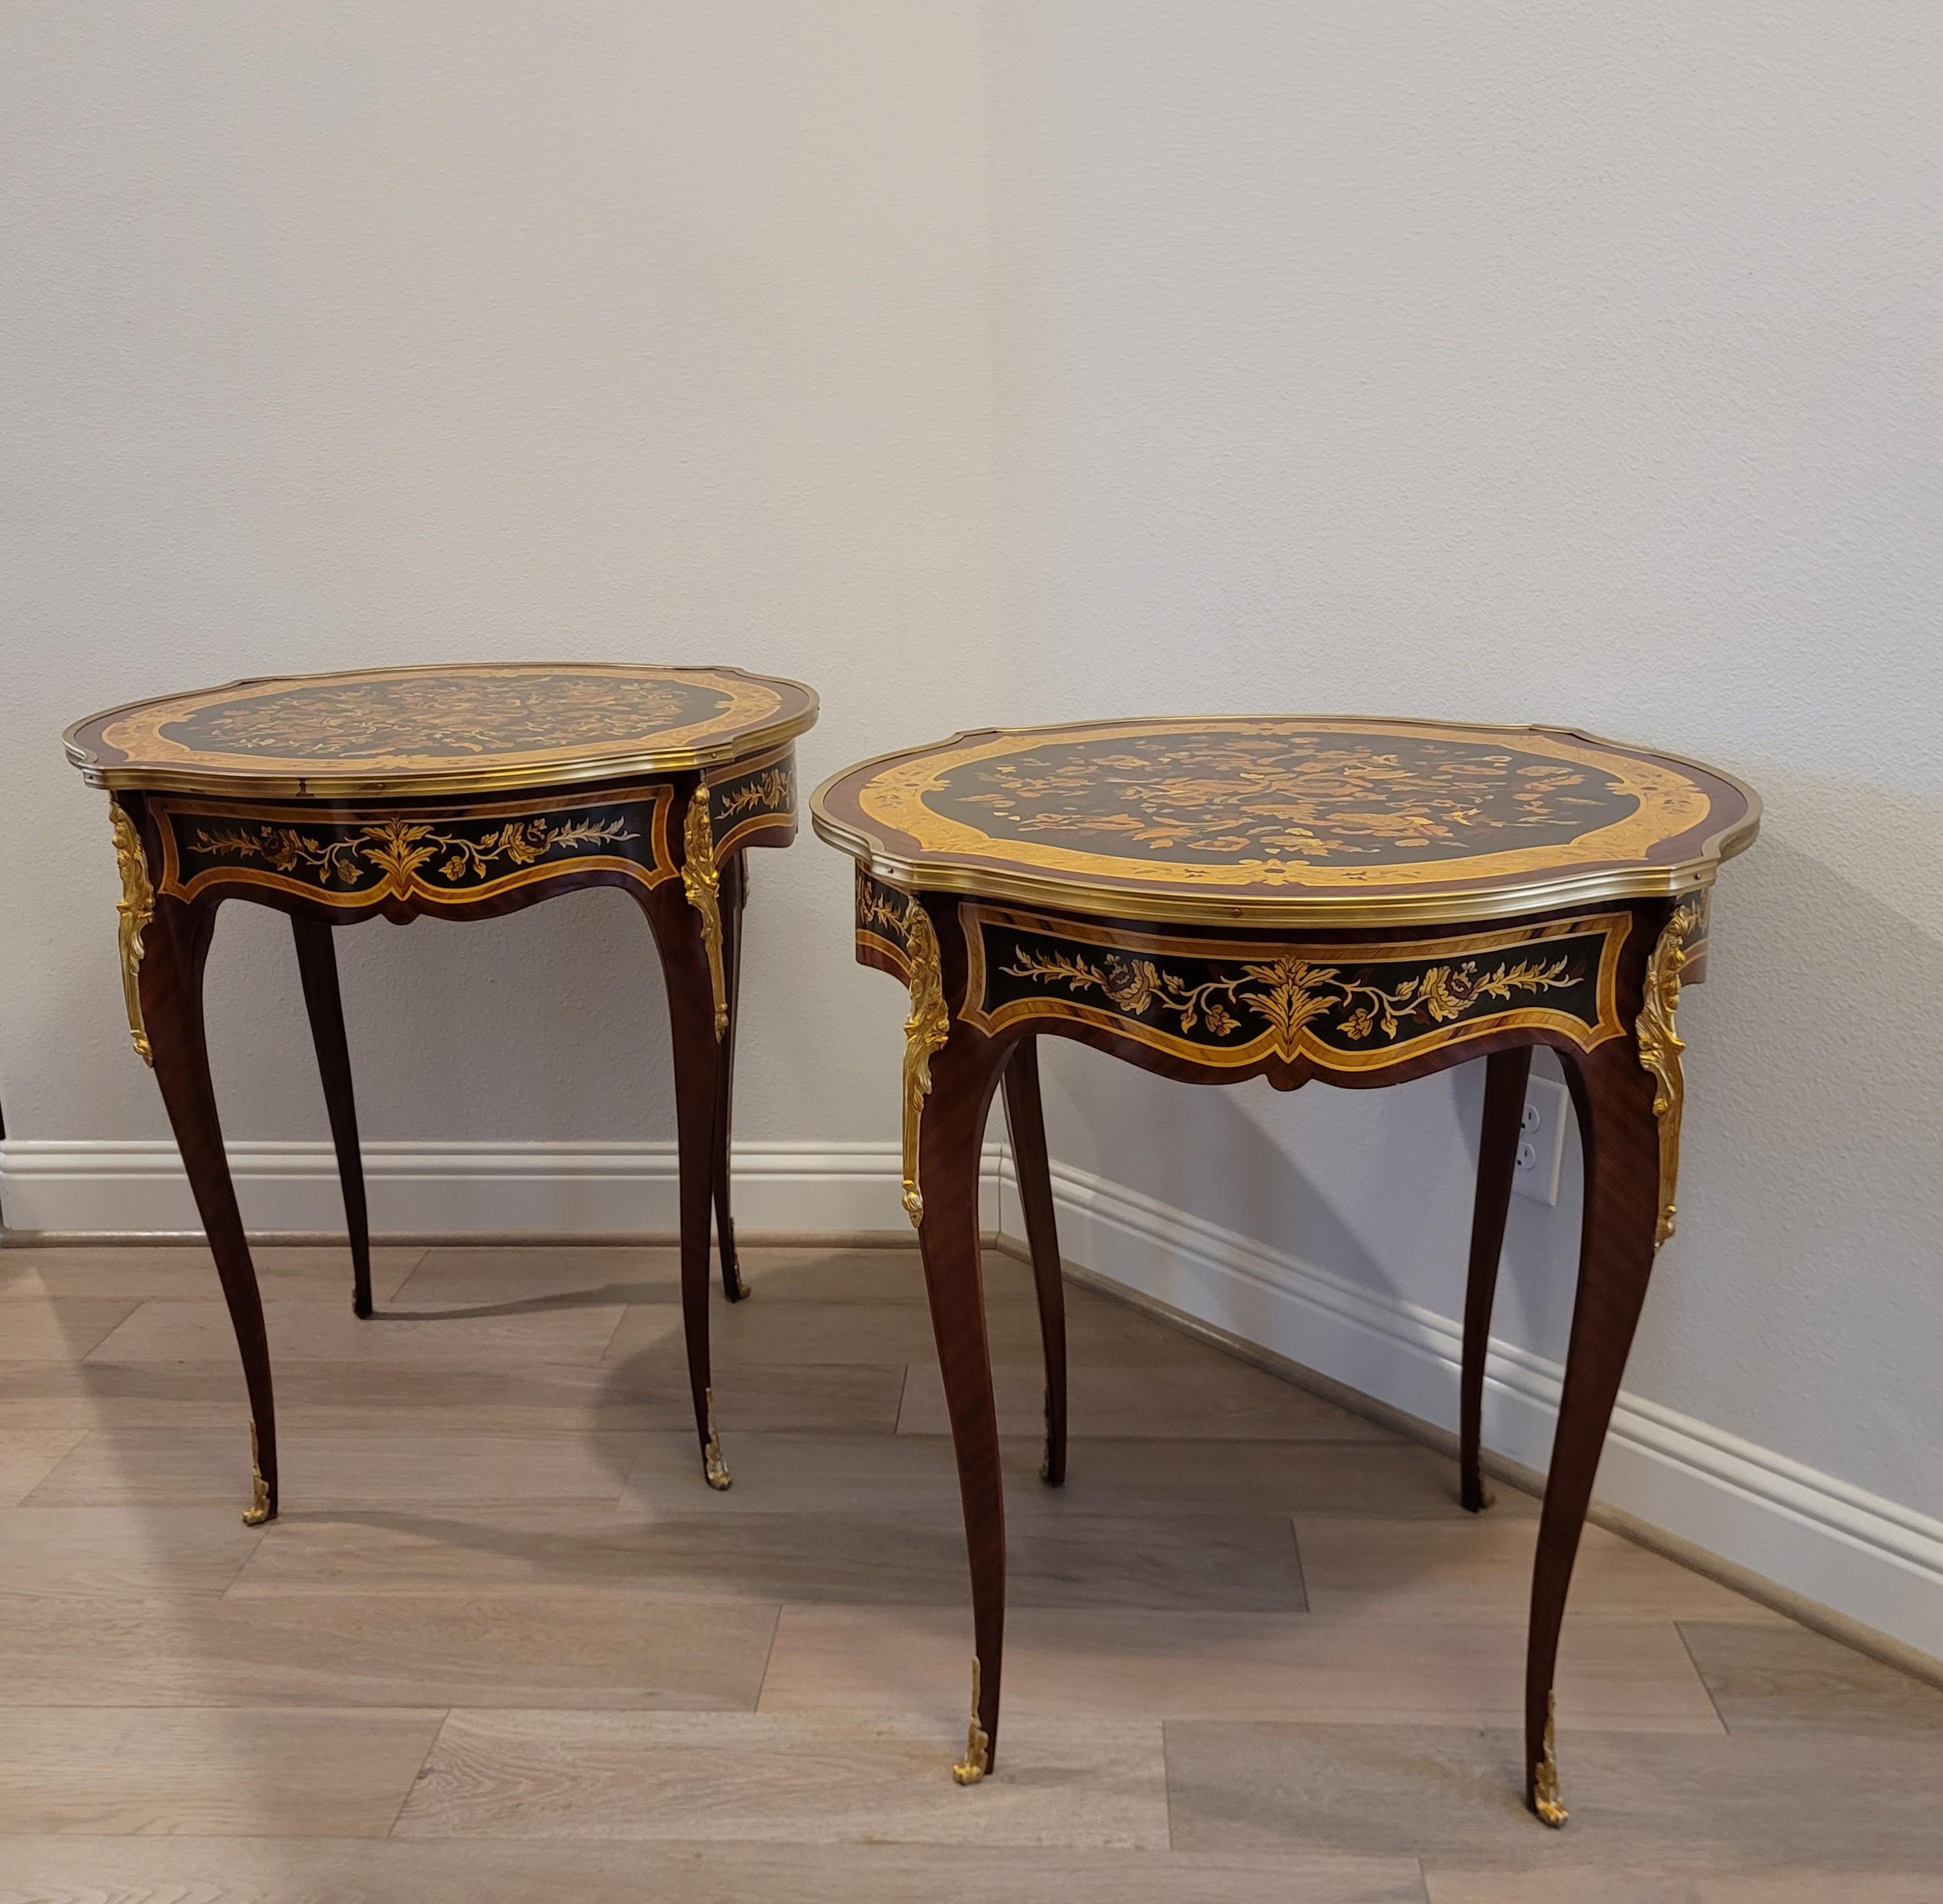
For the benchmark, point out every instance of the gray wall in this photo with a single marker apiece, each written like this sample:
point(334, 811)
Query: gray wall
point(334, 338)
point(979, 363)
point(1518, 361)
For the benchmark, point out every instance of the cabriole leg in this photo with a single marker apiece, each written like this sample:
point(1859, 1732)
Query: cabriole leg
point(1025, 1116)
point(951, 1135)
point(1614, 1097)
point(317, 961)
point(734, 896)
point(685, 963)
point(176, 947)
point(1507, 1074)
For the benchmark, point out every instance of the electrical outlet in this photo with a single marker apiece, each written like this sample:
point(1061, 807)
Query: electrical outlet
point(1541, 1148)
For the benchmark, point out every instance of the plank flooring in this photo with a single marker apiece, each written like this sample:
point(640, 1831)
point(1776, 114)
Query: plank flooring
point(504, 1644)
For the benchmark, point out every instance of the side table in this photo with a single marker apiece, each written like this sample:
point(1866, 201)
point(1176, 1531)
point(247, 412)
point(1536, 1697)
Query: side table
point(1363, 901)
point(458, 792)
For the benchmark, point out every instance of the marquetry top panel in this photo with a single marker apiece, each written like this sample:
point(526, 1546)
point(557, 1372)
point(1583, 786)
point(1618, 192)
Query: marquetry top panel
point(423, 730)
point(1288, 820)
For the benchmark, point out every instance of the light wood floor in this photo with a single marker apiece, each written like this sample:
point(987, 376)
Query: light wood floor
point(504, 1645)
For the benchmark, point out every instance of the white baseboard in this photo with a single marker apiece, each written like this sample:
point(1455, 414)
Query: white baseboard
point(561, 1189)
point(1867, 1558)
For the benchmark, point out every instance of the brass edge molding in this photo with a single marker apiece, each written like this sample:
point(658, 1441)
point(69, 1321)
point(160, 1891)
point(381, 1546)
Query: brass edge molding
point(977, 1759)
point(134, 909)
point(1294, 1040)
point(375, 822)
point(1660, 1045)
point(714, 1469)
point(1545, 1800)
point(703, 884)
point(926, 1030)
point(258, 1511)
point(577, 769)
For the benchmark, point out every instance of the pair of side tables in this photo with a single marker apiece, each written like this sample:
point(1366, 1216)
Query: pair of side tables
point(1365, 901)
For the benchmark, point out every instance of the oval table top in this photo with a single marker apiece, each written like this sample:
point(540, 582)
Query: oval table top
point(1288, 821)
point(460, 728)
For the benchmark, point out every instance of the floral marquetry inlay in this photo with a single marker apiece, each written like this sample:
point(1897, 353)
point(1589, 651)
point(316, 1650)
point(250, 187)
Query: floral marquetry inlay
point(422, 856)
point(425, 717)
point(754, 802)
point(1281, 802)
point(884, 925)
point(1234, 1003)
point(401, 850)
point(1286, 993)
point(761, 793)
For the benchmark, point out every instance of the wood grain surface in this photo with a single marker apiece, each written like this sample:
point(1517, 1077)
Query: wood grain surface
point(493, 1650)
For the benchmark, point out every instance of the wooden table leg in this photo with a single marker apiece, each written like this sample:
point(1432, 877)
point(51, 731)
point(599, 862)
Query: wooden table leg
point(685, 963)
point(1507, 1074)
point(176, 946)
point(734, 896)
point(317, 961)
point(1614, 1095)
point(1025, 1116)
point(963, 1076)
